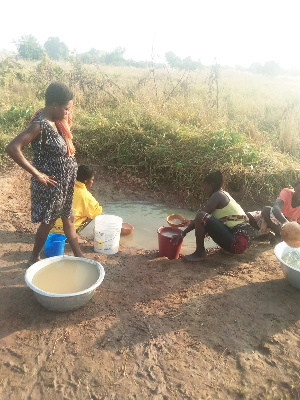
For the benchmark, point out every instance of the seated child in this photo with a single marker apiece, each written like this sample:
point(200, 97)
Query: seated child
point(222, 218)
point(85, 206)
point(286, 208)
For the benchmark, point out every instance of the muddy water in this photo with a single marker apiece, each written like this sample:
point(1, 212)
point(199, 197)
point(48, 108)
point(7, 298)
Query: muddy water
point(146, 218)
point(66, 276)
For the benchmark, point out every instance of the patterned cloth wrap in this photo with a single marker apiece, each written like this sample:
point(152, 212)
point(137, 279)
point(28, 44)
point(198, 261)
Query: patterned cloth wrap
point(261, 223)
point(241, 240)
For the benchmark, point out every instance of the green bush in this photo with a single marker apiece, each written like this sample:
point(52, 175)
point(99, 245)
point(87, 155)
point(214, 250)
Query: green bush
point(165, 126)
point(14, 118)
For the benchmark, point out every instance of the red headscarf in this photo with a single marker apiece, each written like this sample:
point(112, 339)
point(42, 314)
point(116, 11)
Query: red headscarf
point(64, 128)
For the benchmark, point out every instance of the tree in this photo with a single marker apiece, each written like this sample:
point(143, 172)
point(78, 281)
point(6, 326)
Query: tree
point(188, 63)
point(29, 48)
point(115, 57)
point(269, 68)
point(176, 62)
point(172, 59)
point(256, 68)
point(93, 56)
point(56, 49)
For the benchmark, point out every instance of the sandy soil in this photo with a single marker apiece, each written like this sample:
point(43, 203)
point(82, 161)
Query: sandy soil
point(155, 329)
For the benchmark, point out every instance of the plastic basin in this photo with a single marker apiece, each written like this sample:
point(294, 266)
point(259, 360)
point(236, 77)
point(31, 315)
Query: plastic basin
point(126, 229)
point(177, 220)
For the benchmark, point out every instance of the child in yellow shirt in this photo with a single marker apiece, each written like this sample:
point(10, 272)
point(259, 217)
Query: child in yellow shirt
point(85, 206)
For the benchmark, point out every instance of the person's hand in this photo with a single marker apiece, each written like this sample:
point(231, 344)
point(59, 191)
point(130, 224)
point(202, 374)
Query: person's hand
point(177, 239)
point(46, 180)
point(186, 222)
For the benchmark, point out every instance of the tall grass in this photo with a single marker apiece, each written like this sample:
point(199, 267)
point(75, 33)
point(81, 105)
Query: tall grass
point(168, 126)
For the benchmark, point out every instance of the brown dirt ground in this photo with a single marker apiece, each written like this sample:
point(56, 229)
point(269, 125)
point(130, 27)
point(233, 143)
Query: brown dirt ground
point(155, 329)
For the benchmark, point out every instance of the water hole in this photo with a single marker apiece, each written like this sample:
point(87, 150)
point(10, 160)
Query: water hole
point(146, 218)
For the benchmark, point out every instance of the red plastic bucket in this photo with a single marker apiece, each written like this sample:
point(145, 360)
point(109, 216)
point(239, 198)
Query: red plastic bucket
point(165, 246)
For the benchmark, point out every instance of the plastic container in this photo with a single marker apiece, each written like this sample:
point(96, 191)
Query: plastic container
point(107, 234)
point(177, 220)
point(126, 229)
point(165, 246)
point(68, 301)
point(55, 245)
point(292, 274)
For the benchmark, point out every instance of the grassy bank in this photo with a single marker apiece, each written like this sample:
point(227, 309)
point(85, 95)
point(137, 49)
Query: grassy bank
point(167, 126)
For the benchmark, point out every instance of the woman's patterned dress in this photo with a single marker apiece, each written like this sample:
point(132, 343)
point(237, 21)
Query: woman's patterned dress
point(50, 157)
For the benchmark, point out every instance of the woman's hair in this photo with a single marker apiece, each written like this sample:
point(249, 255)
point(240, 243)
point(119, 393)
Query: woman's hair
point(84, 173)
point(215, 179)
point(58, 93)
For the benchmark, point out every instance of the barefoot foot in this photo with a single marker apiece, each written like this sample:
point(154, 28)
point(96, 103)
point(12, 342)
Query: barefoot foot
point(194, 257)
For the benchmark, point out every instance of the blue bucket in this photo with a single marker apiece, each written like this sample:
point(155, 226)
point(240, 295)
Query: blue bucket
point(55, 245)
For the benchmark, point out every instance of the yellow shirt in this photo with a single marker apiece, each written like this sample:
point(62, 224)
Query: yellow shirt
point(84, 205)
point(232, 208)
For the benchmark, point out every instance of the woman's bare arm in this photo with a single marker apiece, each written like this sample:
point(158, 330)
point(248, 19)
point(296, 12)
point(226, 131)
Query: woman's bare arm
point(277, 211)
point(217, 200)
point(14, 150)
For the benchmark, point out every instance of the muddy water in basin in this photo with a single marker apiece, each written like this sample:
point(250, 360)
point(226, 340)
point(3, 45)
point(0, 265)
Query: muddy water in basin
point(66, 276)
point(146, 218)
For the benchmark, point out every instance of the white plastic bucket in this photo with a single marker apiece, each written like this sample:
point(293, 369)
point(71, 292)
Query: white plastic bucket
point(107, 233)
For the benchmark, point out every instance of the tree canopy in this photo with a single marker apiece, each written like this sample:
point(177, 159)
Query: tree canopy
point(181, 63)
point(29, 48)
point(56, 49)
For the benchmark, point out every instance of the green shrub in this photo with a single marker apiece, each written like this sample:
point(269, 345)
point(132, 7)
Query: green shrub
point(164, 126)
point(14, 118)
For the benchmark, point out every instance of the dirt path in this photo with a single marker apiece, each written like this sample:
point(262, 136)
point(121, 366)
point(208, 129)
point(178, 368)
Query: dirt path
point(155, 329)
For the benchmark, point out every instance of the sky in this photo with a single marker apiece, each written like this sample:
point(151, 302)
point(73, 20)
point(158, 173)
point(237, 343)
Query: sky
point(231, 32)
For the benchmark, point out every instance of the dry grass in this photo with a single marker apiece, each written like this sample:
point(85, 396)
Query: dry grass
point(164, 123)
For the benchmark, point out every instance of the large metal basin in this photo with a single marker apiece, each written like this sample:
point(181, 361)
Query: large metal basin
point(292, 274)
point(63, 302)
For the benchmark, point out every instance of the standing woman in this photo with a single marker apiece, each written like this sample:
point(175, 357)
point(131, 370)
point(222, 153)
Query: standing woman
point(53, 169)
